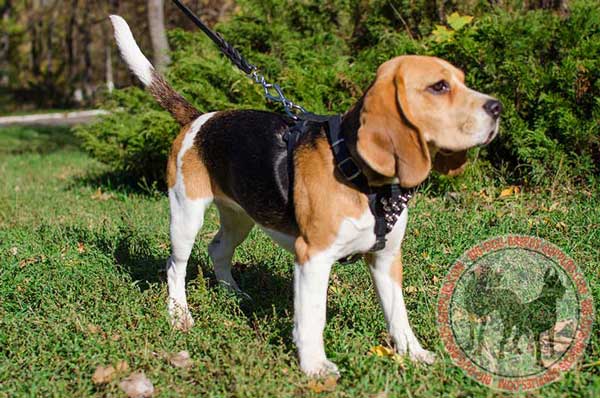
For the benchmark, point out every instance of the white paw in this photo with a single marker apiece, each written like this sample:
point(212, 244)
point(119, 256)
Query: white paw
point(423, 356)
point(320, 369)
point(407, 344)
point(181, 318)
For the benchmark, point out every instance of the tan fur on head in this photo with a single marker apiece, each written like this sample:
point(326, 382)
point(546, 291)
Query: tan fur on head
point(387, 139)
point(403, 118)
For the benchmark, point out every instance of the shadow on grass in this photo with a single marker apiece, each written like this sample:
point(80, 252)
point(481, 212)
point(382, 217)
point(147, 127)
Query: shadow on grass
point(266, 289)
point(121, 182)
point(139, 258)
point(271, 300)
point(17, 140)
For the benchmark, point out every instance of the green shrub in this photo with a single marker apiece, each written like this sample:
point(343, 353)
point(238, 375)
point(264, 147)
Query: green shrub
point(545, 68)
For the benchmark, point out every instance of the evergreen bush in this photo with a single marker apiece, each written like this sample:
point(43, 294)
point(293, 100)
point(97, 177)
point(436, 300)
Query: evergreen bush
point(544, 67)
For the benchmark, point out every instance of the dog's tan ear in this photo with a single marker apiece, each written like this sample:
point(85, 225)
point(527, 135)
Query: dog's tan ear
point(388, 141)
point(451, 164)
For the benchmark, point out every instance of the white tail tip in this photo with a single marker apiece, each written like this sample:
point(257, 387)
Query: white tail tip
point(130, 51)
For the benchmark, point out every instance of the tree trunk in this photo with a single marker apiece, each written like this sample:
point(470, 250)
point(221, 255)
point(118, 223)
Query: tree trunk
point(158, 35)
point(108, 67)
point(4, 44)
point(70, 25)
point(85, 35)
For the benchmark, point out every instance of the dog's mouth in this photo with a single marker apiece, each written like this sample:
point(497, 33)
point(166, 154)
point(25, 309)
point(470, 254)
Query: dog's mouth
point(491, 135)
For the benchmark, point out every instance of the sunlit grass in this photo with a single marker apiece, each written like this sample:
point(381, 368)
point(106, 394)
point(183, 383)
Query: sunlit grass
point(81, 285)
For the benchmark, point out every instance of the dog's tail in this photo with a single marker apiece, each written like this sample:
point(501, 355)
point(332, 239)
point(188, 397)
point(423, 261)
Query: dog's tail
point(164, 94)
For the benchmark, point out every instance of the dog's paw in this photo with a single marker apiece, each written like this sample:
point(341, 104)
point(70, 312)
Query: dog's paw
point(320, 369)
point(181, 318)
point(423, 356)
point(182, 323)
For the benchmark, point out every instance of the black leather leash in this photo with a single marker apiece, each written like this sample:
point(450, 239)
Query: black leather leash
point(385, 202)
point(226, 48)
point(272, 91)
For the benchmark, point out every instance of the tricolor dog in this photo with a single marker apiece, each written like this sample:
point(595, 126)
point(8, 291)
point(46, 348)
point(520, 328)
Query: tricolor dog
point(416, 115)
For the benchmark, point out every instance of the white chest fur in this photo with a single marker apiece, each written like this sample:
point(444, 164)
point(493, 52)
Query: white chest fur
point(355, 235)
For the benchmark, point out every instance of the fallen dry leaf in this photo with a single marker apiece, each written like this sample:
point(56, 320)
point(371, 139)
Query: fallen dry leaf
point(99, 195)
point(122, 366)
point(381, 394)
point(94, 329)
point(80, 247)
point(14, 251)
point(319, 386)
point(484, 195)
point(103, 374)
point(509, 191)
point(181, 360)
point(137, 385)
point(561, 226)
point(336, 290)
point(381, 351)
point(410, 289)
point(31, 260)
point(401, 360)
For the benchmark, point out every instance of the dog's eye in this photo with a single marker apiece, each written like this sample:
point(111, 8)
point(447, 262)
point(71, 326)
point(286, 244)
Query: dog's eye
point(441, 87)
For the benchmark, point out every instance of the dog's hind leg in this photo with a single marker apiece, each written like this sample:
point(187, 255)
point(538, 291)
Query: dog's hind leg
point(190, 193)
point(235, 226)
point(538, 348)
point(481, 331)
point(187, 217)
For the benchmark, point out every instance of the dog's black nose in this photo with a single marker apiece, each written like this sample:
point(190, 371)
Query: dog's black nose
point(493, 108)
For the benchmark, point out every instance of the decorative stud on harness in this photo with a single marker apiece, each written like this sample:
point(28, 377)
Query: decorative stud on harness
point(386, 202)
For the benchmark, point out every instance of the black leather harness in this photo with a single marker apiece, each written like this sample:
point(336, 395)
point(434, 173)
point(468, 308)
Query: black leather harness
point(386, 202)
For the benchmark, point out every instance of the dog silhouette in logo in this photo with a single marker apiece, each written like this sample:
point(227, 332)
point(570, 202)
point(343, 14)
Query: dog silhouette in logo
point(485, 298)
point(480, 302)
point(533, 318)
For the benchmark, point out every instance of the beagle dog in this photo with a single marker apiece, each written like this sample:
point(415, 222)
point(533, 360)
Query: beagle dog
point(417, 115)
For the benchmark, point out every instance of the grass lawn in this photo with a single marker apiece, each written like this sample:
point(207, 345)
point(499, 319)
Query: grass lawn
point(82, 285)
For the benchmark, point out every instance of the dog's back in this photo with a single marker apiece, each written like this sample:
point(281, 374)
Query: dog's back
point(246, 155)
point(244, 151)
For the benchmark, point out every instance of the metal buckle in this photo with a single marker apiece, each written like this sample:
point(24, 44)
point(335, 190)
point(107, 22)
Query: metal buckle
point(338, 142)
point(353, 176)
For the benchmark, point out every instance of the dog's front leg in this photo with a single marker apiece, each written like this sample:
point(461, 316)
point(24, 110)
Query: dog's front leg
point(311, 278)
point(386, 269)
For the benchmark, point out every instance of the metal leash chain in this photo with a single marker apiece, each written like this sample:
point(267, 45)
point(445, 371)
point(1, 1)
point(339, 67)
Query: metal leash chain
point(268, 88)
point(272, 91)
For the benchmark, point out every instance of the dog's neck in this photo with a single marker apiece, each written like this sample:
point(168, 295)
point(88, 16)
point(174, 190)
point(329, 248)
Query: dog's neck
point(350, 126)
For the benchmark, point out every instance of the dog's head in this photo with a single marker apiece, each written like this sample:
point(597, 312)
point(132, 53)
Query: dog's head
point(418, 113)
point(553, 286)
